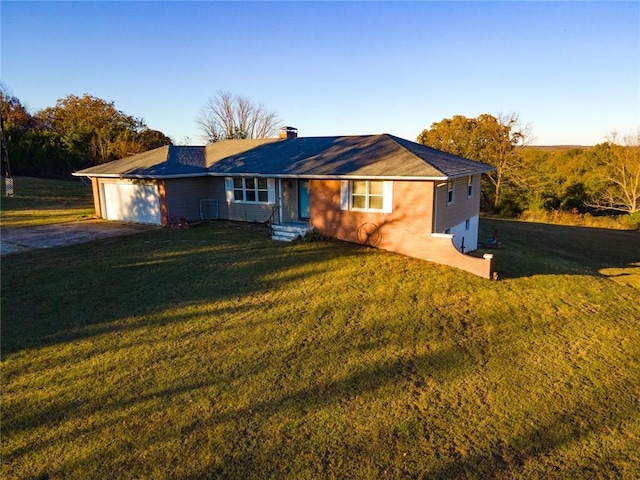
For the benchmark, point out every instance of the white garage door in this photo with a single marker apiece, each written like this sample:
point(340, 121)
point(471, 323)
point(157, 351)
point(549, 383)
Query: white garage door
point(130, 202)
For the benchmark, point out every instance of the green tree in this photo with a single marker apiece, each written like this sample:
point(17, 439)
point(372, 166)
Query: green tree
point(557, 179)
point(77, 132)
point(18, 126)
point(150, 139)
point(129, 143)
point(493, 140)
point(89, 127)
point(536, 182)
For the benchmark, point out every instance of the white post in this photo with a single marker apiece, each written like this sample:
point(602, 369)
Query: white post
point(280, 217)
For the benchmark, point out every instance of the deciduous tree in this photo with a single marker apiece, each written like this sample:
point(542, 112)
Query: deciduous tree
point(229, 116)
point(492, 140)
point(619, 164)
point(77, 132)
point(150, 139)
point(88, 126)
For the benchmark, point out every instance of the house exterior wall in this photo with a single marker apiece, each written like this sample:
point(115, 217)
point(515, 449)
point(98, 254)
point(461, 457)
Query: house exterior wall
point(403, 230)
point(183, 197)
point(289, 200)
point(97, 203)
point(448, 216)
point(465, 234)
point(98, 184)
point(243, 212)
point(407, 229)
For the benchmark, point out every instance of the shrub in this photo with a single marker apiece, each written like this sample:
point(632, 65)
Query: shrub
point(574, 217)
point(314, 235)
point(631, 221)
point(509, 207)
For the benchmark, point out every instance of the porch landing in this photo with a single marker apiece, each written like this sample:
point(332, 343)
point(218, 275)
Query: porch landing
point(288, 232)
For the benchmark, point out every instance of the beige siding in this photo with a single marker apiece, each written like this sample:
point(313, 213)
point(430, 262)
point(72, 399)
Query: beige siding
point(462, 208)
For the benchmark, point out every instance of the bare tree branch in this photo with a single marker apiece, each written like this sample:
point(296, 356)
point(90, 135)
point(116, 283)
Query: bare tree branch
point(621, 189)
point(229, 116)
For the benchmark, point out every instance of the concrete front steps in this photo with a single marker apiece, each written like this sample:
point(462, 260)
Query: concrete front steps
point(288, 232)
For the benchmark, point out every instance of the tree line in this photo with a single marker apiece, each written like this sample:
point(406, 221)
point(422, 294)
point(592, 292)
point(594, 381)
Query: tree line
point(82, 131)
point(77, 132)
point(604, 178)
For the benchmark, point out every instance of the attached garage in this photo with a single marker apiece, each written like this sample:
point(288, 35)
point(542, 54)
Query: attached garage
point(131, 202)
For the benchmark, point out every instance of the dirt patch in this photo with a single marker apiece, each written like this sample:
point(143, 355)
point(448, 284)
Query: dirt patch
point(63, 234)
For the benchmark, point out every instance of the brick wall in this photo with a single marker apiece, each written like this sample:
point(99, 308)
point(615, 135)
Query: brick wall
point(97, 204)
point(407, 229)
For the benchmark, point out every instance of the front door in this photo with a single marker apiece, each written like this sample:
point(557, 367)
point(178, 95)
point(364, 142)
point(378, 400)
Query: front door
point(303, 199)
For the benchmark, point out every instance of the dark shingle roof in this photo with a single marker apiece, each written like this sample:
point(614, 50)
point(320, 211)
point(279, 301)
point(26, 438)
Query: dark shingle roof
point(357, 156)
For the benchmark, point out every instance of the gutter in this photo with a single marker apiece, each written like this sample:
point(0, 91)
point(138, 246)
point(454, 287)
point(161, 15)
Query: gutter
point(284, 175)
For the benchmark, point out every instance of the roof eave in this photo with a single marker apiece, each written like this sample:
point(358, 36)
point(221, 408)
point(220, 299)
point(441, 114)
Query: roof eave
point(139, 177)
point(281, 175)
point(330, 177)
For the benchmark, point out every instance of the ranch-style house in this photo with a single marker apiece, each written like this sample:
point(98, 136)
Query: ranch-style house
point(379, 190)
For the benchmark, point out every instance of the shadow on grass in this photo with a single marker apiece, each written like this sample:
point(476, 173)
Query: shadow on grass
point(235, 409)
point(66, 294)
point(245, 459)
point(545, 249)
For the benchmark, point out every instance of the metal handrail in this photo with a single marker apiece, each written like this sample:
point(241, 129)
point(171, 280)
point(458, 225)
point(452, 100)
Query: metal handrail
point(274, 211)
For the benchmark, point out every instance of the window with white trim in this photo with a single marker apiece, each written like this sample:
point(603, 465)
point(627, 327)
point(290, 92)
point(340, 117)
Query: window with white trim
point(470, 186)
point(250, 190)
point(366, 195)
point(450, 192)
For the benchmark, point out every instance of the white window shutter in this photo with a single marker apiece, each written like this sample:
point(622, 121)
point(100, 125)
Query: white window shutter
point(271, 185)
point(387, 199)
point(344, 194)
point(228, 186)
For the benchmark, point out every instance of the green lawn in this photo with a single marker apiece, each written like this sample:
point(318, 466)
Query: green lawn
point(40, 201)
point(217, 353)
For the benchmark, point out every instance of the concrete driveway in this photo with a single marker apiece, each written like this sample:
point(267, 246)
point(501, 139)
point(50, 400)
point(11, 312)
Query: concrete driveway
point(17, 240)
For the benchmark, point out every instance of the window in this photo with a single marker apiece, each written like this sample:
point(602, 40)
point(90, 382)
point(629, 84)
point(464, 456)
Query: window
point(467, 224)
point(470, 186)
point(366, 195)
point(250, 190)
point(450, 196)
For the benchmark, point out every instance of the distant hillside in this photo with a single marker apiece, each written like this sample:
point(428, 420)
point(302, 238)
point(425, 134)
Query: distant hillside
point(557, 148)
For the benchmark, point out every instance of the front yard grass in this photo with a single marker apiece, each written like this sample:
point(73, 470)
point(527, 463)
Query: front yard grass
point(40, 201)
point(217, 353)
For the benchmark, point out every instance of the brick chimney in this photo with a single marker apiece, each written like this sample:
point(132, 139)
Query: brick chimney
point(288, 132)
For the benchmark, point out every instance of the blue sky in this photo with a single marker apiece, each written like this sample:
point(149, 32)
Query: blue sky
point(570, 69)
